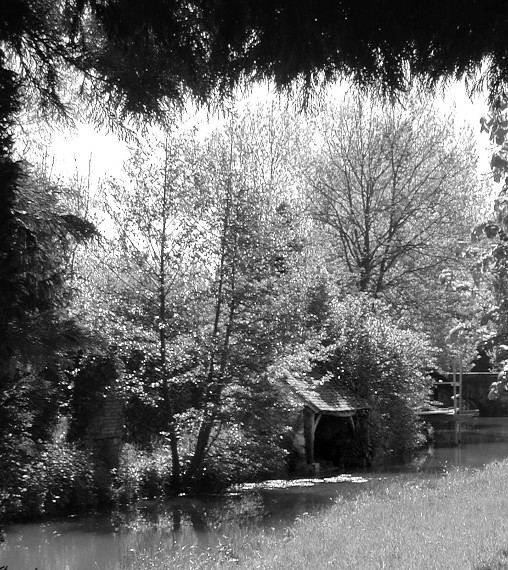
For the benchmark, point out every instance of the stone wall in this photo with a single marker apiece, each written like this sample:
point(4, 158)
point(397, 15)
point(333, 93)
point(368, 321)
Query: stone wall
point(105, 431)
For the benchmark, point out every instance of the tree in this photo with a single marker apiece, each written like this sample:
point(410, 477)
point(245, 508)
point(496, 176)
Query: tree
point(247, 268)
point(148, 293)
point(370, 354)
point(138, 56)
point(39, 328)
point(212, 46)
point(385, 185)
point(35, 233)
point(490, 237)
point(197, 301)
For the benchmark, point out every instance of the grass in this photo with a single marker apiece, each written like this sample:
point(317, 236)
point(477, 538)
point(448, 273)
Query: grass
point(459, 522)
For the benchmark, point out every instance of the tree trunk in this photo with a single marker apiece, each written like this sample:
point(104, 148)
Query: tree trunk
point(12, 303)
point(176, 477)
point(215, 383)
point(169, 415)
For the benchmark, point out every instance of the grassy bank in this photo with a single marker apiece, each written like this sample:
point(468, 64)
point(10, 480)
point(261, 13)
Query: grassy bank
point(458, 522)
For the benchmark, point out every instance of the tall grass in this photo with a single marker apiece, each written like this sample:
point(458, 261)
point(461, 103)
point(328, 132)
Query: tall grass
point(456, 523)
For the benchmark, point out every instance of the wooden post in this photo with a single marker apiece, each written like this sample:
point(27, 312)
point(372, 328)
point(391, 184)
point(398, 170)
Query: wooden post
point(461, 367)
point(458, 423)
point(308, 431)
point(454, 386)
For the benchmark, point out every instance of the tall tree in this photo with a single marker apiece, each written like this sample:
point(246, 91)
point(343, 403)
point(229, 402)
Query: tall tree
point(247, 266)
point(208, 46)
point(386, 185)
point(147, 285)
point(490, 237)
point(38, 327)
point(200, 277)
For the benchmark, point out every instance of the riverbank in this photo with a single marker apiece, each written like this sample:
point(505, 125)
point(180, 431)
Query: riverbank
point(458, 522)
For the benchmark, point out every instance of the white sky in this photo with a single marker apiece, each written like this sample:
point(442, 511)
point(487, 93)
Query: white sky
point(74, 150)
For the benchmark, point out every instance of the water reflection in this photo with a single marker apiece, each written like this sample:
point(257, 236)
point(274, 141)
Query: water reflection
point(103, 541)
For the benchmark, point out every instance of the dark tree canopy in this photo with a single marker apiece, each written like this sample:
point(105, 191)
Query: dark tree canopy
point(162, 46)
point(143, 51)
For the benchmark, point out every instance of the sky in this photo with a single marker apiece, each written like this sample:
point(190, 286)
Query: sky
point(471, 111)
point(76, 151)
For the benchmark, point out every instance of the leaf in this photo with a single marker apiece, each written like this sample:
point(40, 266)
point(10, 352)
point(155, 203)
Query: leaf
point(456, 335)
point(491, 230)
point(490, 315)
point(446, 277)
point(499, 162)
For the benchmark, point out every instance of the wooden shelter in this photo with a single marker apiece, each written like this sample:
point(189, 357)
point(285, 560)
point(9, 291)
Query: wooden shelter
point(340, 414)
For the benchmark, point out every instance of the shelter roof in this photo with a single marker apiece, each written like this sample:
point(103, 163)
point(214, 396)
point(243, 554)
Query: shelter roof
point(325, 395)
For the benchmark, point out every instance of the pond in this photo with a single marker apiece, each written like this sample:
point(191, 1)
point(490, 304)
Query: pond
point(104, 540)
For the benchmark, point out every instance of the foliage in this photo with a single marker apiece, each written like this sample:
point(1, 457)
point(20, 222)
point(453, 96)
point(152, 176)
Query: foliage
point(383, 187)
point(10, 177)
point(235, 456)
point(37, 327)
point(207, 48)
point(381, 363)
point(211, 47)
point(204, 294)
point(141, 473)
point(16, 445)
point(491, 237)
point(239, 455)
point(57, 480)
point(252, 438)
point(385, 183)
point(44, 236)
point(92, 376)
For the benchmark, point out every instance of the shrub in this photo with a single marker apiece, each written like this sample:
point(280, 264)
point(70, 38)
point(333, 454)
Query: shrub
point(238, 457)
point(142, 473)
point(367, 352)
point(58, 480)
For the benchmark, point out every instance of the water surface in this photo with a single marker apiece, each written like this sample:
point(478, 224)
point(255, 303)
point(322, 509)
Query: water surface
point(102, 541)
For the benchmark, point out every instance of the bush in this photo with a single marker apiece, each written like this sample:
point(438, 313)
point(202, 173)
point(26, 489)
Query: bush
point(368, 353)
point(238, 457)
point(142, 473)
point(58, 480)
